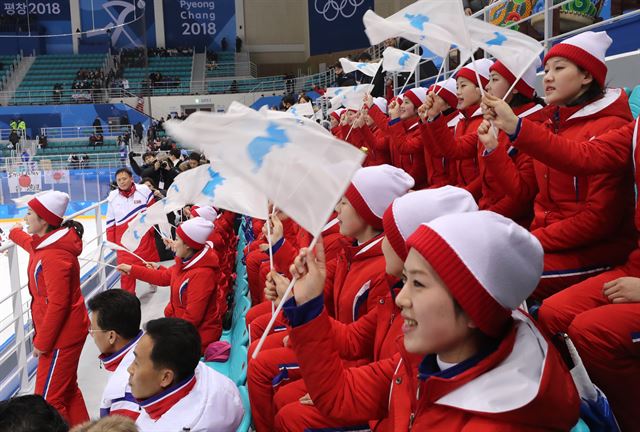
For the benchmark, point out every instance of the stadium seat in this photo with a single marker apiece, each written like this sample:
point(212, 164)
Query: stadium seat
point(246, 419)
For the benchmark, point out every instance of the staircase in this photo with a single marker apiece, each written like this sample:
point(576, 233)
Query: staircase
point(15, 79)
point(198, 72)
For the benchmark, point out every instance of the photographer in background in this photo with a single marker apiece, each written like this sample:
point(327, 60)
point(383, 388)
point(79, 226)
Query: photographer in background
point(161, 171)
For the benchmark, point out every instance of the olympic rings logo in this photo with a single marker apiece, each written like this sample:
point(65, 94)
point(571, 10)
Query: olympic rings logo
point(332, 9)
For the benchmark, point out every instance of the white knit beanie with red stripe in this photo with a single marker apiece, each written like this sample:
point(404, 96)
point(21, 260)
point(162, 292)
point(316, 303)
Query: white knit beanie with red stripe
point(489, 263)
point(482, 66)
point(417, 95)
point(50, 206)
point(447, 90)
point(206, 212)
point(586, 50)
point(372, 190)
point(195, 232)
point(406, 213)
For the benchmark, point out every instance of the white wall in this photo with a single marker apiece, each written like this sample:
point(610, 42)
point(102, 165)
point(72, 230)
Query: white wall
point(161, 106)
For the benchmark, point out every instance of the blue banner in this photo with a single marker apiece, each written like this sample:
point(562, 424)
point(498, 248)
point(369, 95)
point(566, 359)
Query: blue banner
point(39, 18)
point(199, 24)
point(133, 25)
point(337, 25)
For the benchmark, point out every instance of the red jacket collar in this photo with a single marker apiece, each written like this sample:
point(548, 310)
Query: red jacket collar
point(366, 250)
point(112, 361)
point(128, 192)
point(410, 122)
point(159, 404)
point(469, 111)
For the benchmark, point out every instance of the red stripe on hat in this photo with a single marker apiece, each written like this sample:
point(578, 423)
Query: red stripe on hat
point(486, 313)
point(580, 57)
point(188, 240)
point(392, 233)
point(521, 86)
point(471, 76)
point(361, 207)
point(450, 98)
point(413, 98)
point(44, 213)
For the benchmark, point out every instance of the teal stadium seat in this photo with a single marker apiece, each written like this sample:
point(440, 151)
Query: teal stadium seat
point(246, 419)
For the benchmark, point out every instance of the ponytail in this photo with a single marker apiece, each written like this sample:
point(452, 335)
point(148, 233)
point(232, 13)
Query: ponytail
point(77, 226)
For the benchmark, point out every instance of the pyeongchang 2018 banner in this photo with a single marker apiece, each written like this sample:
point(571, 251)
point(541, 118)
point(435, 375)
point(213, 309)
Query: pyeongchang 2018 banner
point(116, 24)
point(336, 25)
point(199, 23)
point(35, 18)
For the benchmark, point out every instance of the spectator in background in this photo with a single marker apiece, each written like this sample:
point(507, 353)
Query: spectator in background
point(96, 140)
point(42, 142)
point(473, 6)
point(193, 161)
point(175, 155)
point(342, 79)
point(30, 413)
point(14, 139)
point(234, 87)
point(238, 44)
point(73, 161)
point(22, 128)
point(97, 126)
point(224, 45)
point(122, 149)
point(138, 131)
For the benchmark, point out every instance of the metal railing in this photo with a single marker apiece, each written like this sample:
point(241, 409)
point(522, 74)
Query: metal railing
point(62, 162)
point(71, 132)
point(17, 364)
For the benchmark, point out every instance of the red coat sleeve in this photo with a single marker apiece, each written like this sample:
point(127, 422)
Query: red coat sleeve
point(607, 153)
point(201, 287)
point(160, 277)
point(602, 216)
point(57, 271)
point(351, 394)
point(518, 179)
point(475, 188)
point(379, 118)
point(283, 258)
point(22, 239)
point(436, 171)
point(355, 341)
point(444, 143)
point(403, 142)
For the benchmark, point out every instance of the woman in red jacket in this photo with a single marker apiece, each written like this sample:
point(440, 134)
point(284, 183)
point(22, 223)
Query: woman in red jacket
point(355, 284)
point(60, 318)
point(485, 366)
point(584, 222)
point(507, 177)
point(600, 314)
point(193, 280)
point(373, 337)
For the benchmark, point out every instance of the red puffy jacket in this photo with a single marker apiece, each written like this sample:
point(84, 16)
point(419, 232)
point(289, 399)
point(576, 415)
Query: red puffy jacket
point(377, 143)
point(357, 281)
point(522, 385)
point(585, 211)
point(193, 284)
point(407, 150)
point(60, 317)
point(495, 168)
point(610, 152)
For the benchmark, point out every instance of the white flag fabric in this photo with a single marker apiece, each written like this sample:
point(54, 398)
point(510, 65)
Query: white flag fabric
point(302, 109)
point(369, 69)
point(515, 50)
point(217, 186)
point(144, 221)
point(302, 171)
point(396, 60)
point(349, 97)
point(436, 24)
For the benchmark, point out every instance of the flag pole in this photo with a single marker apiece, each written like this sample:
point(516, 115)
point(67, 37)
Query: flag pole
point(269, 216)
point(96, 261)
point(285, 296)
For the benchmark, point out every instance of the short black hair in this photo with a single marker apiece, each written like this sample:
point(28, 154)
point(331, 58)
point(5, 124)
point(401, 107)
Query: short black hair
point(117, 310)
point(148, 154)
point(194, 156)
point(176, 345)
point(364, 57)
point(176, 153)
point(150, 180)
point(30, 413)
point(124, 170)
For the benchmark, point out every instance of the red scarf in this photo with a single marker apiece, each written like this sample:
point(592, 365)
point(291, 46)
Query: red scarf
point(128, 192)
point(112, 361)
point(159, 404)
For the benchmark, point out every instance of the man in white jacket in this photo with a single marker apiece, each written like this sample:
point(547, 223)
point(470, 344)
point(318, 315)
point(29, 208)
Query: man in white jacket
point(115, 328)
point(176, 391)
